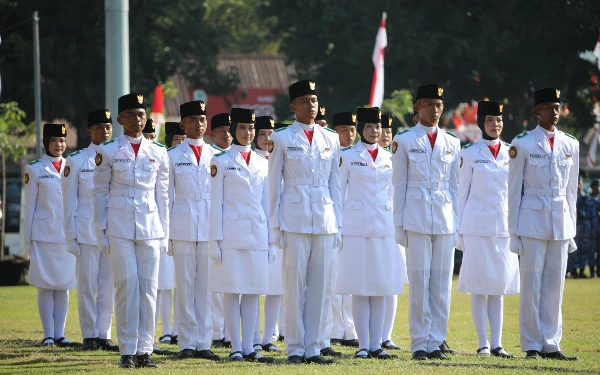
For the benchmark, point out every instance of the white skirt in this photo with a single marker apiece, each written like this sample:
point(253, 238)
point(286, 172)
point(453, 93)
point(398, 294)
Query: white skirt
point(488, 267)
point(370, 266)
point(166, 273)
point(52, 266)
point(240, 272)
point(275, 283)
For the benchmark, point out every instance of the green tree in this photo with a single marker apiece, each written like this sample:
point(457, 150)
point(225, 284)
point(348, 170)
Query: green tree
point(14, 135)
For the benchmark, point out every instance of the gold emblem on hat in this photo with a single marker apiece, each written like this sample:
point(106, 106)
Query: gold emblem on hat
point(394, 147)
point(67, 171)
point(26, 178)
point(202, 106)
point(272, 122)
point(63, 130)
point(389, 121)
point(512, 152)
point(229, 118)
point(270, 146)
point(213, 170)
point(98, 159)
point(500, 107)
point(152, 124)
point(107, 114)
point(253, 117)
point(311, 84)
point(557, 93)
point(379, 114)
point(353, 117)
point(322, 110)
point(440, 91)
point(140, 99)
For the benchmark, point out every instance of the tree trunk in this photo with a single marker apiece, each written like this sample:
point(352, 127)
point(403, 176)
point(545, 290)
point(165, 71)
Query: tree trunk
point(3, 204)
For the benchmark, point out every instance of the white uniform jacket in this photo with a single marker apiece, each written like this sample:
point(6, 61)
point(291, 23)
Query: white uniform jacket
point(136, 187)
point(310, 201)
point(239, 201)
point(542, 186)
point(425, 181)
point(43, 219)
point(483, 190)
point(367, 210)
point(78, 185)
point(189, 192)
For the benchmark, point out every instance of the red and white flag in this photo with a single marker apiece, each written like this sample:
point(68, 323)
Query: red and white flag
point(158, 105)
point(377, 86)
point(597, 50)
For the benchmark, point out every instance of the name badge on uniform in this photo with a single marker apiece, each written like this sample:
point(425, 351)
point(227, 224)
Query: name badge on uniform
point(152, 160)
point(481, 161)
point(121, 160)
point(233, 169)
point(187, 165)
point(417, 150)
point(359, 163)
point(47, 176)
point(292, 148)
point(537, 156)
point(86, 170)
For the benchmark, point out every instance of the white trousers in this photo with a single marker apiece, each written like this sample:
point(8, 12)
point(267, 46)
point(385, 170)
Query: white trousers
point(95, 293)
point(194, 326)
point(135, 273)
point(217, 316)
point(343, 321)
point(430, 259)
point(307, 265)
point(543, 267)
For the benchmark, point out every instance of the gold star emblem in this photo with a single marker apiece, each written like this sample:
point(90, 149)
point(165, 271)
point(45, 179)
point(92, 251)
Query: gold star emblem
point(353, 117)
point(64, 130)
point(440, 91)
point(202, 106)
point(107, 114)
point(557, 94)
point(311, 84)
point(140, 99)
point(322, 110)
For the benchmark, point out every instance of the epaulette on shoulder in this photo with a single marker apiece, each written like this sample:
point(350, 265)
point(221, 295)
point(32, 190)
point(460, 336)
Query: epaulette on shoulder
point(451, 134)
point(108, 142)
point(34, 161)
point(217, 148)
point(403, 131)
point(159, 144)
point(74, 153)
point(570, 136)
point(262, 156)
point(329, 130)
point(387, 149)
point(522, 134)
point(172, 147)
point(221, 153)
point(467, 145)
point(346, 148)
point(506, 144)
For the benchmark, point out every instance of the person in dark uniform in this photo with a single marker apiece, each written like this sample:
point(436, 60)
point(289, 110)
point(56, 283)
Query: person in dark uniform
point(587, 223)
point(321, 118)
point(595, 241)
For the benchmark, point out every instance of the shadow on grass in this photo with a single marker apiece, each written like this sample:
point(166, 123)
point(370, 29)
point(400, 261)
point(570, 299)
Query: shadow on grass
point(507, 367)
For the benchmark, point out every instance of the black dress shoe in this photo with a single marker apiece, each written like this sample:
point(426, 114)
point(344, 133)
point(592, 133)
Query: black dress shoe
point(108, 345)
point(174, 340)
point(437, 354)
point(500, 352)
point(186, 353)
point(329, 352)
point(90, 344)
point(317, 359)
point(382, 354)
point(236, 357)
point(255, 357)
point(144, 360)
point(218, 344)
point(351, 343)
point(444, 348)
point(362, 354)
point(206, 354)
point(532, 354)
point(335, 342)
point(158, 351)
point(48, 341)
point(270, 348)
point(294, 360)
point(64, 342)
point(226, 344)
point(558, 355)
point(389, 345)
point(420, 355)
point(127, 361)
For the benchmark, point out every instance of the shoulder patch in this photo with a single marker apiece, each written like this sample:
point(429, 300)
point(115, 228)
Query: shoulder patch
point(403, 131)
point(221, 153)
point(329, 130)
point(522, 135)
point(159, 144)
point(34, 162)
point(74, 153)
point(262, 156)
point(467, 145)
point(506, 144)
point(346, 148)
point(570, 136)
point(451, 134)
point(280, 129)
point(108, 142)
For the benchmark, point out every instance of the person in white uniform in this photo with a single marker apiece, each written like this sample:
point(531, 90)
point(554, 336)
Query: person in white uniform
point(52, 267)
point(370, 263)
point(239, 235)
point(131, 221)
point(189, 202)
point(95, 296)
point(219, 131)
point(489, 270)
point(542, 214)
point(305, 219)
point(263, 128)
point(425, 160)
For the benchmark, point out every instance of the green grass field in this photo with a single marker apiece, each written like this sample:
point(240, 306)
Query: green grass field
point(20, 334)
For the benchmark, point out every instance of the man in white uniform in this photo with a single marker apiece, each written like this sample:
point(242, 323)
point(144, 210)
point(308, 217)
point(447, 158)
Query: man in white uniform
point(95, 300)
point(131, 221)
point(189, 202)
point(542, 214)
point(425, 177)
point(305, 219)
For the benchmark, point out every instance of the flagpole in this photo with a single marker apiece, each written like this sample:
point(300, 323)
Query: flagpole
point(37, 90)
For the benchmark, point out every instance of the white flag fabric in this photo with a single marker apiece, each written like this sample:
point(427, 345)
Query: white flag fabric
point(597, 50)
point(591, 158)
point(378, 53)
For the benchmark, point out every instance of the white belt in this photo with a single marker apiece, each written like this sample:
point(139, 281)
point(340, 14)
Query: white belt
point(195, 196)
point(307, 181)
point(435, 185)
point(554, 192)
point(130, 192)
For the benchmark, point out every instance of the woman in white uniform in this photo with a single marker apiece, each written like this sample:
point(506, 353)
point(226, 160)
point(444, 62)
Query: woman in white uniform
point(370, 263)
point(489, 270)
point(52, 268)
point(238, 234)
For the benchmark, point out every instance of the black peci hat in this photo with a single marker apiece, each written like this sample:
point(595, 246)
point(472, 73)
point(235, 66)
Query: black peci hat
point(487, 108)
point(193, 108)
point(386, 121)
point(344, 118)
point(149, 128)
point(222, 119)
point(368, 115)
point(130, 101)
point(264, 122)
point(100, 116)
point(243, 115)
point(321, 114)
point(54, 130)
point(430, 91)
point(173, 128)
point(301, 88)
point(547, 95)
